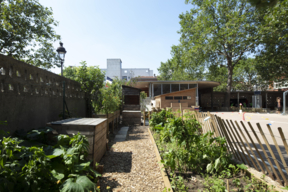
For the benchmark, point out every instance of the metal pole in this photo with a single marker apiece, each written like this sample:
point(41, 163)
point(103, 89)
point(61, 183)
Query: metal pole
point(62, 68)
point(284, 102)
point(63, 86)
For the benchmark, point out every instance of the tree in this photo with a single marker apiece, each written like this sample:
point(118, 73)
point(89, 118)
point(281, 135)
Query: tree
point(182, 66)
point(91, 80)
point(272, 58)
point(26, 32)
point(221, 32)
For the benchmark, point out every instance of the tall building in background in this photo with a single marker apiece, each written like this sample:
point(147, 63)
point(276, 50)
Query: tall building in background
point(114, 69)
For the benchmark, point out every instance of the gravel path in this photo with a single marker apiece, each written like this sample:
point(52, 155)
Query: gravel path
point(132, 165)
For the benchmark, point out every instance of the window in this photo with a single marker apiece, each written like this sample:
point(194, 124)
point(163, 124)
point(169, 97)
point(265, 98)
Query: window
point(184, 97)
point(128, 77)
point(166, 88)
point(146, 71)
point(192, 86)
point(169, 98)
point(124, 77)
point(125, 71)
point(175, 87)
point(157, 89)
point(178, 98)
point(183, 87)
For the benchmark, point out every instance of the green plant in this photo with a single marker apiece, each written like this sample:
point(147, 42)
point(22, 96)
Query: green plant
point(177, 183)
point(237, 182)
point(31, 162)
point(215, 184)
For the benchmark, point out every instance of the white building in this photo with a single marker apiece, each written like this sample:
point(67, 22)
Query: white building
point(114, 69)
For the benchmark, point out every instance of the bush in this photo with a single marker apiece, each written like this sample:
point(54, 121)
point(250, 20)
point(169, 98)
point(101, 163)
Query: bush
point(32, 162)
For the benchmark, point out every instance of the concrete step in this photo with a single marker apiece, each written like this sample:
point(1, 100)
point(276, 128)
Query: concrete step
point(122, 134)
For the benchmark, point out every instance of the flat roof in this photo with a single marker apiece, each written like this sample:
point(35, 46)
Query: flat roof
point(201, 84)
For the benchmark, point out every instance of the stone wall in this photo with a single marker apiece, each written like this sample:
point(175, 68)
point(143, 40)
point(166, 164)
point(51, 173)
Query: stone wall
point(30, 97)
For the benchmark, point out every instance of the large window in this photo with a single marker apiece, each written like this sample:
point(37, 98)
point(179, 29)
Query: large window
point(166, 88)
point(183, 87)
point(157, 89)
point(169, 97)
point(175, 87)
point(177, 97)
point(192, 86)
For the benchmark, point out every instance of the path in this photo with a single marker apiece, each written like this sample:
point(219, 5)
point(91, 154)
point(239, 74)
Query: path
point(131, 165)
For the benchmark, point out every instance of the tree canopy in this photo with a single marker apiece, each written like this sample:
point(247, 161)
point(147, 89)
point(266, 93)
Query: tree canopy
point(27, 33)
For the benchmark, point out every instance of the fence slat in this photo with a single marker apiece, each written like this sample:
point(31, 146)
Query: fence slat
point(244, 146)
point(279, 153)
point(228, 139)
point(252, 129)
point(256, 159)
point(235, 144)
point(283, 139)
point(268, 146)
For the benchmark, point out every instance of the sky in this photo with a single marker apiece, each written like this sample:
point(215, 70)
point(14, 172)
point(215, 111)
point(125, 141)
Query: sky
point(139, 32)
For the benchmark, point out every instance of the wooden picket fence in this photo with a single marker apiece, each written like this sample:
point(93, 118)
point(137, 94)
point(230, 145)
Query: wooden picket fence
point(248, 148)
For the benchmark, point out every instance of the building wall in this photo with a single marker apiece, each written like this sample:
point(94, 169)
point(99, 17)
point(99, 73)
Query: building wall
point(114, 67)
point(30, 97)
point(135, 72)
point(163, 103)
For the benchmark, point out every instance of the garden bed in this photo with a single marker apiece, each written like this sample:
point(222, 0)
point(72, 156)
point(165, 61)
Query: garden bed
point(201, 163)
point(242, 181)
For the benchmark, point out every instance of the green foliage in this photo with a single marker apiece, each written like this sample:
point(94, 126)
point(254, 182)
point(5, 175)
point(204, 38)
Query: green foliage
point(31, 162)
point(159, 119)
point(110, 98)
point(177, 183)
point(91, 80)
point(27, 33)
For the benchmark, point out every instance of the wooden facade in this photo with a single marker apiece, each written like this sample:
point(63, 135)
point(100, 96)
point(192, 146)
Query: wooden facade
point(187, 98)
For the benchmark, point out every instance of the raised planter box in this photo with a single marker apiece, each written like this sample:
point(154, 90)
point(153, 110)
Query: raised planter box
point(93, 128)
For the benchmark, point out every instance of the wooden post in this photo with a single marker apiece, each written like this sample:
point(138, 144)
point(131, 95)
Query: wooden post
point(144, 116)
point(256, 159)
point(280, 154)
point(271, 152)
point(181, 111)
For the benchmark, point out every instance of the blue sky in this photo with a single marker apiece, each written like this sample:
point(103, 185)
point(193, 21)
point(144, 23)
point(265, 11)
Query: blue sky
point(139, 32)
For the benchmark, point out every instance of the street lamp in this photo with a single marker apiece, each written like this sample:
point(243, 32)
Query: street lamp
point(61, 53)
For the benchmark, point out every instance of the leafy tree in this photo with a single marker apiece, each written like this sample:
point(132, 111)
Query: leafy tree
point(91, 80)
point(272, 59)
point(26, 32)
point(219, 32)
point(182, 66)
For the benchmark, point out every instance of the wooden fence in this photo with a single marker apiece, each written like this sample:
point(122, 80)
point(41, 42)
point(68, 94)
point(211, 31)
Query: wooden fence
point(246, 145)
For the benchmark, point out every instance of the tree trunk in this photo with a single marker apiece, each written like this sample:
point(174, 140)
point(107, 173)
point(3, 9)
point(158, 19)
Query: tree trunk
point(229, 82)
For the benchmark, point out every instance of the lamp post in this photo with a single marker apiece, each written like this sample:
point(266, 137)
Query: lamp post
point(61, 53)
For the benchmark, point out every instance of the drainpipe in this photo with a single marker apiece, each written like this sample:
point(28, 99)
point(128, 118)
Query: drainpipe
point(284, 102)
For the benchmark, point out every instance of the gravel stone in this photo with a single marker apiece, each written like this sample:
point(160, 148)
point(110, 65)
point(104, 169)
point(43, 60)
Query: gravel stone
point(131, 165)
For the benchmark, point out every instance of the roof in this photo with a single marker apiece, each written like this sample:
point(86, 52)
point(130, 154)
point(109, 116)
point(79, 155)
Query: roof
point(201, 84)
point(125, 86)
point(175, 92)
